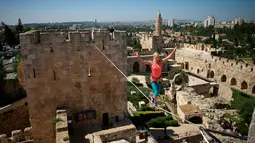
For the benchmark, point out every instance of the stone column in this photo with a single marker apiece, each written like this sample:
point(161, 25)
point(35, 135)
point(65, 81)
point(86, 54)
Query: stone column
point(251, 135)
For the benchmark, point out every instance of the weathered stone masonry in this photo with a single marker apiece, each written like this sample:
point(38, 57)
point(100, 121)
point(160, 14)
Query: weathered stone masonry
point(227, 72)
point(56, 67)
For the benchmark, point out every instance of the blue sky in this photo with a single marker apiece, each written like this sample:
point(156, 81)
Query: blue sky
point(31, 11)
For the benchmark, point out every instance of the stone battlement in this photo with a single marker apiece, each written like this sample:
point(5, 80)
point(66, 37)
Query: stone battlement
point(234, 63)
point(18, 136)
point(62, 36)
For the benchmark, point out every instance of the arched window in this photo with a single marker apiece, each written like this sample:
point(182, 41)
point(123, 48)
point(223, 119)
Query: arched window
point(233, 81)
point(211, 74)
point(244, 85)
point(223, 78)
point(136, 67)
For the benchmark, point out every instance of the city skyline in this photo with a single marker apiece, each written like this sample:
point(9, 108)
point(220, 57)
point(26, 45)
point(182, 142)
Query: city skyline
point(105, 11)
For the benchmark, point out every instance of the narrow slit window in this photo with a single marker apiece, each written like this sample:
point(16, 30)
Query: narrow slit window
point(51, 50)
point(78, 48)
point(34, 73)
point(54, 75)
point(103, 45)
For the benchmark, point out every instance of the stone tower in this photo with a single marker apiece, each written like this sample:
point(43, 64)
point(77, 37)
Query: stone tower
point(158, 24)
point(61, 70)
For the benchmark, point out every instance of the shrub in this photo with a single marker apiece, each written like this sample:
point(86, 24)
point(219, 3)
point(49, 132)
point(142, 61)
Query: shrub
point(65, 138)
point(162, 122)
point(135, 80)
point(147, 108)
point(172, 123)
point(138, 96)
point(159, 122)
point(242, 126)
point(169, 117)
point(148, 115)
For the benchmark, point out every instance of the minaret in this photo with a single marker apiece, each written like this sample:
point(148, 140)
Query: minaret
point(158, 24)
point(19, 22)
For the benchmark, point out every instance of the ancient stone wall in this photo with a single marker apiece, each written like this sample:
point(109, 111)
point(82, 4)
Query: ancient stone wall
point(151, 42)
point(62, 70)
point(125, 132)
point(146, 42)
point(14, 117)
point(198, 46)
point(62, 127)
point(228, 73)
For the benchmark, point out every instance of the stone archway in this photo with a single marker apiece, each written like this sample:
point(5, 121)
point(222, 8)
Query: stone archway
point(253, 90)
point(223, 78)
point(136, 67)
point(196, 120)
point(173, 87)
point(211, 74)
point(233, 81)
point(244, 85)
point(148, 68)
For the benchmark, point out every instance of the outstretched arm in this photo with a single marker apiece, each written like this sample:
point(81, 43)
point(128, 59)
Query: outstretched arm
point(141, 60)
point(169, 56)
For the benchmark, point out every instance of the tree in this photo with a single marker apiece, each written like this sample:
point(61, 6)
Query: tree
point(16, 62)
point(2, 77)
point(19, 27)
point(178, 80)
point(9, 36)
point(27, 29)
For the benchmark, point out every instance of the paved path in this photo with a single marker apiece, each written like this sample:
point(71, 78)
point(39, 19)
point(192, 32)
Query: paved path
point(140, 77)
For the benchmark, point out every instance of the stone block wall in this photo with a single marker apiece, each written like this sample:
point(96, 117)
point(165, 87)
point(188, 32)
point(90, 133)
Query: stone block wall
point(62, 70)
point(14, 117)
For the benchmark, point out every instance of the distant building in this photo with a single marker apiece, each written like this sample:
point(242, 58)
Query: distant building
point(239, 21)
point(171, 22)
point(158, 24)
point(224, 25)
point(209, 21)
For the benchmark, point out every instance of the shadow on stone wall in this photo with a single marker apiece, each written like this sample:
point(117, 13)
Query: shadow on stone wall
point(14, 117)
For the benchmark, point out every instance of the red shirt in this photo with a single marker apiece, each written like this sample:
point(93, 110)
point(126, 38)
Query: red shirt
point(156, 71)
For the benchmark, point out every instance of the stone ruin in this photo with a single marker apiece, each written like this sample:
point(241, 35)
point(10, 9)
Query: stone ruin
point(18, 136)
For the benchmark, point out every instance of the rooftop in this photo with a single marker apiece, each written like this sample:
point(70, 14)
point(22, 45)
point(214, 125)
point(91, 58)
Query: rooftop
point(193, 81)
point(189, 109)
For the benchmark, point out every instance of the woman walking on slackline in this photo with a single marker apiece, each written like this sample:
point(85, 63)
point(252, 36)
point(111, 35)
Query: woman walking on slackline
point(156, 68)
